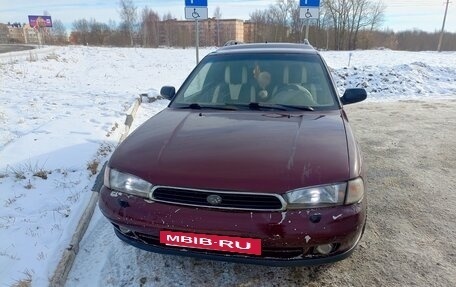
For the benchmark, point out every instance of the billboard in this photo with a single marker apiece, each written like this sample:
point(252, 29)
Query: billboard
point(40, 21)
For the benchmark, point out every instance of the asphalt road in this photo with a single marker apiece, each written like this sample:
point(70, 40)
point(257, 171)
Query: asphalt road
point(6, 48)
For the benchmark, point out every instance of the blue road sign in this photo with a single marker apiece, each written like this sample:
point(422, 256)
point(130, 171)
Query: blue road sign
point(309, 3)
point(196, 3)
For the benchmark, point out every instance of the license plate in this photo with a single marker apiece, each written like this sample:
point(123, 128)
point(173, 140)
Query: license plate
point(232, 244)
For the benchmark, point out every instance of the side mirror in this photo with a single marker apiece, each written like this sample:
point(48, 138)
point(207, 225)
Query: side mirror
point(168, 92)
point(353, 95)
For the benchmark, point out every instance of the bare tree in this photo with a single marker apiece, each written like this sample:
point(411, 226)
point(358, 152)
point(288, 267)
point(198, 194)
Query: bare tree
point(80, 33)
point(338, 13)
point(168, 16)
point(129, 17)
point(260, 30)
point(273, 23)
point(218, 16)
point(59, 33)
point(92, 33)
point(348, 17)
point(99, 33)
point(377, 14)
point(150, 28)
point(364, 14)
point(278, 18)
point(296, 24)
point(217, 13)
point(169, 24)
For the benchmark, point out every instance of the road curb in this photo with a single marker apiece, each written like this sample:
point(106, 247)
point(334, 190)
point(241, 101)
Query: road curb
point(26, 53)
point(66, 262)
point(130, 117)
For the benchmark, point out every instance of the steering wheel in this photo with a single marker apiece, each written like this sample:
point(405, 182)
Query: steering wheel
point(294, 94)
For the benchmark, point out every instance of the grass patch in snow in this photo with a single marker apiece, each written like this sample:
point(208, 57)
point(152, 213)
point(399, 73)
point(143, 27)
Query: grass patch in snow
point(21, 171)
point(42, 173)
point(103, 151)
point(33, 57)
point(92, 166)
point(113, 129)
point(26, 282)
point(29, 185)
point(52, 56)
point(18, 174)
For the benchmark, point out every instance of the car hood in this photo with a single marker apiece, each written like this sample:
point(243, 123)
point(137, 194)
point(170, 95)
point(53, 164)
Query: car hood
point(237, 150)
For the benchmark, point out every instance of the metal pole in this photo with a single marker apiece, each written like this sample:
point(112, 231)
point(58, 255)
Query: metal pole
point(439, 48)
point(197, 41)
point(307, 29)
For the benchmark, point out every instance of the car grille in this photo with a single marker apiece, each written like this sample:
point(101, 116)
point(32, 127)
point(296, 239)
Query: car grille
point(229, 200)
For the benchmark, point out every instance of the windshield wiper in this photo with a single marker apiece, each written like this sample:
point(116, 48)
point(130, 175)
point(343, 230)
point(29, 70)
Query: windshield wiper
point(301, 108)
point(258, 106)
point(196, 106)
point(252, 106)
point(281, 107)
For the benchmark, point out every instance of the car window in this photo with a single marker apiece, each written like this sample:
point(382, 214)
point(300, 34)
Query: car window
point(196, 84)
point(279, 79)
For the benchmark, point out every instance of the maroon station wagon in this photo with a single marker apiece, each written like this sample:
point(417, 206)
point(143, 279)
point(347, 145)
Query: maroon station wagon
point(253, 161)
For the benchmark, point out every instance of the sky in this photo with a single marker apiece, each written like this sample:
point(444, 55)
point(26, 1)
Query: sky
point(400, 15)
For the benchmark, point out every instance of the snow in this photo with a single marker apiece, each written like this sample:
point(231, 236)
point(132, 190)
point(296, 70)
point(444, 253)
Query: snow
point(61, 109)
point(395, 75)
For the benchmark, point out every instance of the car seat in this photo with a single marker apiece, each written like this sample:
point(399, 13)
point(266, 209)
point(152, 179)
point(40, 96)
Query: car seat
point(297, 74)
point(235, 87)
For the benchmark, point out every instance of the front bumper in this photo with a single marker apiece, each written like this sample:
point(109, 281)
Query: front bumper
point(268, 261)
point(288, 238)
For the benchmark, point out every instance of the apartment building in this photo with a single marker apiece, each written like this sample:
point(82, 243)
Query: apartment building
point(4, 34)
point(16, 34)
point(212, 32)
point(31, 35)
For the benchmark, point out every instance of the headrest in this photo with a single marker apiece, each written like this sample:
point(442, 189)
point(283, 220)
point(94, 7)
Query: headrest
point(235, 75)
point(294, 74)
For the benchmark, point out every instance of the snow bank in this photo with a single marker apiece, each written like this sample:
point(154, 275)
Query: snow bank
point(395, 75)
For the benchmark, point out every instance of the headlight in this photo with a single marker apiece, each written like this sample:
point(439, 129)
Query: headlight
point(355, 191)
point(327, 195)
point(126, 183)
point(318, 196)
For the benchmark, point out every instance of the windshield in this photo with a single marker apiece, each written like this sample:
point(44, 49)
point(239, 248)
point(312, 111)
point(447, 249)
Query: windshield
point(268, 80)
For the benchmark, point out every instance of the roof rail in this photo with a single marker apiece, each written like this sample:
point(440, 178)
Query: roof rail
point(233, 42)
point(307, 42)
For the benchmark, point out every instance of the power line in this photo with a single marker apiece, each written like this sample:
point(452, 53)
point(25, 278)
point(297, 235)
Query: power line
point(396, 5)
point(425, 3)
point(415, 2)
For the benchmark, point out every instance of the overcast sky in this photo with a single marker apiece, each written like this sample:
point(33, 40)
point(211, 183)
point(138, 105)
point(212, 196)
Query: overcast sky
point(400, 14)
